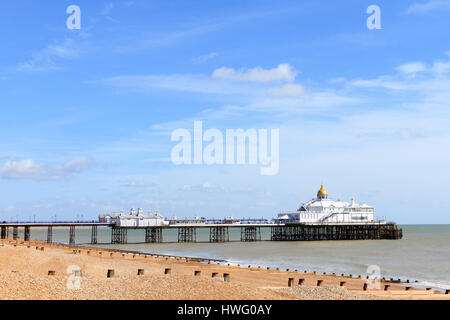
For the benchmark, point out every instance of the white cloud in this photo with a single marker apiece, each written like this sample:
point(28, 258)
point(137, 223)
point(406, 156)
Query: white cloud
point(32, 170)
point(206, 57)
point(107, 8)
point(205, 187)
point(407, 134)
point(434, 79)
point(180, 82)
point(411, 68)
point(255, 82)
point(138, 184)
point(45, 60)
point(290, 89)
point(380, 82)
point(283, 73)
point(429, 6)
point(441, 66)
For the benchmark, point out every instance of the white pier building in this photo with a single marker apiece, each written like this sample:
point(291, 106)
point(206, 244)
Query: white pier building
point(324, 210)
point(135, 220)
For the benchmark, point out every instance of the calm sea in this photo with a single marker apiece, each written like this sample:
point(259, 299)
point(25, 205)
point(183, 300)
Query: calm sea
point(423, 254)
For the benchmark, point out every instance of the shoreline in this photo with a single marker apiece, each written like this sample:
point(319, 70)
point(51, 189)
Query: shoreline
point(186, 278)
point(416, 283)
point(419, 283)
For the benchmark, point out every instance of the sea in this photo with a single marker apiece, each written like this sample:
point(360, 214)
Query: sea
point(422, 256)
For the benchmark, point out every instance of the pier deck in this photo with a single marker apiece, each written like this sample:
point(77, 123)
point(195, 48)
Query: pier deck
point(187, 232)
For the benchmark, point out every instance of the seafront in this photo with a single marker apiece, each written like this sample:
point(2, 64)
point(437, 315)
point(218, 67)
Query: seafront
point(37, 270)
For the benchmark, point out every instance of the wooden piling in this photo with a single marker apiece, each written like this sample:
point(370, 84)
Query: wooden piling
point(290, 282)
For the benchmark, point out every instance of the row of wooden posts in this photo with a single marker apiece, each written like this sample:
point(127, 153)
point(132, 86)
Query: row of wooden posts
point(226, 276)
point(141, 272)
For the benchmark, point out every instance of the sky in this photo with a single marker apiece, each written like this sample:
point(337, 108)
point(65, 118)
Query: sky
point(87, 114)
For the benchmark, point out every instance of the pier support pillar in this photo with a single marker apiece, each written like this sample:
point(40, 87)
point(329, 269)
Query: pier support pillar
point(94, 235)
point(49, 234)
point(219, 234)
point(15, 233)
point(26, 234)
point(250, 234)
point(119, 235)
point(4, 232)
point(153, 235)
point(337, 232)
point(187, 234)
point(72, 235)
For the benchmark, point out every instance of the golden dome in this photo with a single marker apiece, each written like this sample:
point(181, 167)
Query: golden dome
point(322, 192)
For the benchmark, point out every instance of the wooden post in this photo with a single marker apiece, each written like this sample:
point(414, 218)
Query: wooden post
point(290, 282)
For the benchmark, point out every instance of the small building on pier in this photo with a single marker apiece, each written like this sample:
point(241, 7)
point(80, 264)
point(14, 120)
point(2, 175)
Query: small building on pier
point(135, 219)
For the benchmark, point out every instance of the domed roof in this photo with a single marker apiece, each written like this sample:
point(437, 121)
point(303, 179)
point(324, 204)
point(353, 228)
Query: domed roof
point(322, 191)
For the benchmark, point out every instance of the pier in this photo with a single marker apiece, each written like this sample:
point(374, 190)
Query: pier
point(250, 230)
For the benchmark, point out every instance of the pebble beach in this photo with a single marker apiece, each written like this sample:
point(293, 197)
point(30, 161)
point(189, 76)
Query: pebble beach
point(36, 270)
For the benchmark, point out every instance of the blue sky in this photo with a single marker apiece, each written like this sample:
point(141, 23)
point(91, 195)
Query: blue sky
point(86, 115)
